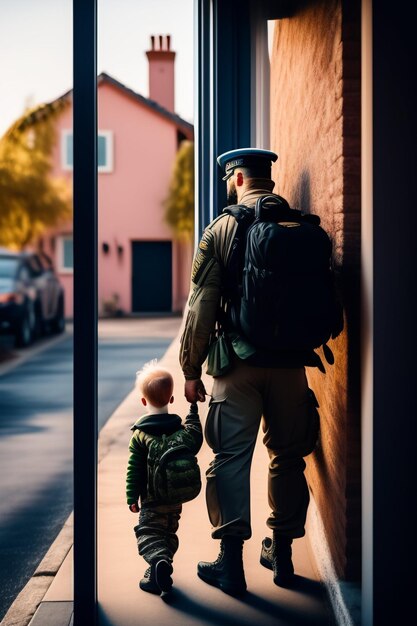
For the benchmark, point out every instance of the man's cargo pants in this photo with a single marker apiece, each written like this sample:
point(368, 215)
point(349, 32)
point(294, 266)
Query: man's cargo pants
point(156, 532)
point(281, 399)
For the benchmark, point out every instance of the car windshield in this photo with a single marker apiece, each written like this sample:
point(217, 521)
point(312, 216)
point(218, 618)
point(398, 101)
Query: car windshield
point(8, 266)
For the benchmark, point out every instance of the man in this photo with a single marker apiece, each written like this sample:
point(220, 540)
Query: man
point(260, 386)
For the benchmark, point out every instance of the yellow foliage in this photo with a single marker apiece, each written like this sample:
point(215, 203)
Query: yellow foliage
point(30, 199)
point(179, 205)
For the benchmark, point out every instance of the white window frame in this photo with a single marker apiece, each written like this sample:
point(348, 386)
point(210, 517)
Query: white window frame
point(102, 169)
point(60, 254)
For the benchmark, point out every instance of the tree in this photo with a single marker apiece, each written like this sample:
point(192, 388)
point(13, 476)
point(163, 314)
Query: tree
point(179, 205)
point(31, 200)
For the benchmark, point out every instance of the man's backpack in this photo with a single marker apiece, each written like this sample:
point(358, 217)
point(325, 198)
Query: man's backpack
point(173, 471)
point(280, 293)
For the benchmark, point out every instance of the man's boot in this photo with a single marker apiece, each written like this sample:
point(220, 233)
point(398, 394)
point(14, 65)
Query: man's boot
point(276, 555)
point(226, 572)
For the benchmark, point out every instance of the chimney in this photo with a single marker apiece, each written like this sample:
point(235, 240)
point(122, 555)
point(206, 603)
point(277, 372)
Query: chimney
point(161, 72)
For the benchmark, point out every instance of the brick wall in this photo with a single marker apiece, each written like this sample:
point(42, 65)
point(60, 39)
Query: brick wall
point(315, 129)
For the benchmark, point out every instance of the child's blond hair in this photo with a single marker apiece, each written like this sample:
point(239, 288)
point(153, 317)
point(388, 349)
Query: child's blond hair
point(155, 383)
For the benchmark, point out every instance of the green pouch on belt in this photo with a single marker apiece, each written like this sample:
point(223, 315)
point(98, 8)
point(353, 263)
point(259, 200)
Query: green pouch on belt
point(219, 358)
point(241, 347)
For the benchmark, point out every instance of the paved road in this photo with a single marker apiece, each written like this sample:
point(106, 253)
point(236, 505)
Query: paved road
point(36, 443)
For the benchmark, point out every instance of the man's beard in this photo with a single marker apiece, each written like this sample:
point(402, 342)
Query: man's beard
point(231, 196)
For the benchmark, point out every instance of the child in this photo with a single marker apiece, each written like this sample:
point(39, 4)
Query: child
point(158, 520)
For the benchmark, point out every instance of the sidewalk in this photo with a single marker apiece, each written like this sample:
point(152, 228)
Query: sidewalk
point(122, 603)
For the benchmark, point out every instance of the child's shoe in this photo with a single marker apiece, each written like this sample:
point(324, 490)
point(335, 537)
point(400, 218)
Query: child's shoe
point(163, 571)
point(148, 582)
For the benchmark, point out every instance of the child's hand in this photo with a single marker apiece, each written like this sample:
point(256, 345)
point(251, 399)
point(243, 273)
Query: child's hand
point(134, 507)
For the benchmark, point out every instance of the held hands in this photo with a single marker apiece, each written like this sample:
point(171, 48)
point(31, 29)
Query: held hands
point(134, 507)
point(194, 391)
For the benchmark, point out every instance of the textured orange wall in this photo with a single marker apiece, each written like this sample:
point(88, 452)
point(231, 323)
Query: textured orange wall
point(315, 117)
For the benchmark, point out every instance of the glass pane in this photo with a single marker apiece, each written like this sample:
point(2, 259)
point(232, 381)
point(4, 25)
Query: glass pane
point(36, 348)
point(145, 230)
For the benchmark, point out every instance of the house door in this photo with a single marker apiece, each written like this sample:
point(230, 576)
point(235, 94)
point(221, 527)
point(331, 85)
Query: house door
point(151, 276)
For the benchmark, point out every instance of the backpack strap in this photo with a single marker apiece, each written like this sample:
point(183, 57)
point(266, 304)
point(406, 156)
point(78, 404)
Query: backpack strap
point(232, 285)
point(244, 217)
point(234, 263)
point(240, 212)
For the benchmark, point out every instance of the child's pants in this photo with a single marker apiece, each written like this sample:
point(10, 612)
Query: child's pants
point(156, 532)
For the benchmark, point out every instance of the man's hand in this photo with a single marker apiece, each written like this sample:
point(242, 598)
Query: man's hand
point(134, 507)
point(194, 390)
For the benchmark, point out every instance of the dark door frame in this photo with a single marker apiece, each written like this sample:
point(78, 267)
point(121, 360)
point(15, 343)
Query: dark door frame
point(85, 311)
point(394, 224)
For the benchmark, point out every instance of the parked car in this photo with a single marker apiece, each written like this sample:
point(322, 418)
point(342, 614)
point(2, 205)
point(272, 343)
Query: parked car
point(31, 296)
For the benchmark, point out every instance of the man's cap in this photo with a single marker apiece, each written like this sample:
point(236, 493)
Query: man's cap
point(245, 157)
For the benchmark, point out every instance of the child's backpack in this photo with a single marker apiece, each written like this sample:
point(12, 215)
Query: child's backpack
point(173, 471)
point(280, 293)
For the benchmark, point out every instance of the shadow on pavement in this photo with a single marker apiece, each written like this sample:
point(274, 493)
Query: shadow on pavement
point(286, 614)
point(280, 613)
point(313, 588)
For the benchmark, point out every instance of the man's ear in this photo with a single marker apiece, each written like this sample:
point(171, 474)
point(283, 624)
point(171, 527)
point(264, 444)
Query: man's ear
point(171, 400)
point(144, 401)
point(239, 179)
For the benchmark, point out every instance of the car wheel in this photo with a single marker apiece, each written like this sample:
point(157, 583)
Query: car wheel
point(24, 333)
point(58, 322)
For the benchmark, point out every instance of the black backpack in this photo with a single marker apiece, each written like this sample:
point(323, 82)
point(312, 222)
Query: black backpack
point(279, 288)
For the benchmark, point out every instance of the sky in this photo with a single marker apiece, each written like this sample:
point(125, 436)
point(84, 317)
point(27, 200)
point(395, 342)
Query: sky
point(36, 49)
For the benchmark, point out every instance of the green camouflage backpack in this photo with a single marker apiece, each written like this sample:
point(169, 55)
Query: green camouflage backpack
point(173, 471)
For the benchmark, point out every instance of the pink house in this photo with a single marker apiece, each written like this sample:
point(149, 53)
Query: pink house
point(142, 268)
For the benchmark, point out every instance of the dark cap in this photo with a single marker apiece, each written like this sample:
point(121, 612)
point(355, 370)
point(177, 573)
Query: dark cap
point(245, 157)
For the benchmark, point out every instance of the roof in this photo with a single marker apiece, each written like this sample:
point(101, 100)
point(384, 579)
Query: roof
point(43, 110)
point(152, 104)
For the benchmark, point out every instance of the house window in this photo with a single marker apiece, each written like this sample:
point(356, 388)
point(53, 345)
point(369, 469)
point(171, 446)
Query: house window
point(104, 150)
point(67, 150)
point(65, 254)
